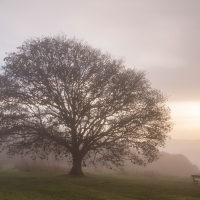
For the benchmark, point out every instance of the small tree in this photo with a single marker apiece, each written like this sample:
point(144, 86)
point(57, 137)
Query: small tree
point(62, 96)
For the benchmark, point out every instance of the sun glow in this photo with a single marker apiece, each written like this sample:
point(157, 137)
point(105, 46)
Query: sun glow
point(186, 117)
point(185, 109)
point(194, 110)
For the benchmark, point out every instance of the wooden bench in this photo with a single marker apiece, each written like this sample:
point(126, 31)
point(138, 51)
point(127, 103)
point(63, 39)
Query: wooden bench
point(195, 178)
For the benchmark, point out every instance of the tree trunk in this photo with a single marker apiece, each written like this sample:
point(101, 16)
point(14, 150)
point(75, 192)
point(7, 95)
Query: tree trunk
point(76, 169)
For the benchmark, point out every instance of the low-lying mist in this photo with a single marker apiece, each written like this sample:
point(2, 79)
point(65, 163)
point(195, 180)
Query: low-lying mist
point(167, 165)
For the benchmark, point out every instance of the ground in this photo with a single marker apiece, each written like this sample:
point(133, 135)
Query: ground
point(59, 186)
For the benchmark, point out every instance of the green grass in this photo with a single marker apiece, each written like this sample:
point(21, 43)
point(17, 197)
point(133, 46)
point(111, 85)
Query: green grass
point(53, 186)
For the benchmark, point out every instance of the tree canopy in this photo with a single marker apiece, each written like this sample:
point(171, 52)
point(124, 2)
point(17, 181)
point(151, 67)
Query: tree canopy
point(61, 96)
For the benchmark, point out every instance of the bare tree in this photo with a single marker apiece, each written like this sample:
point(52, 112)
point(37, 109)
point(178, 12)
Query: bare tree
point(61, 96)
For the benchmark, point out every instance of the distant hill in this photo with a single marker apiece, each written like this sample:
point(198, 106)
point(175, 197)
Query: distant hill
point(174, 164)
point(189, 148)
point(168, 164)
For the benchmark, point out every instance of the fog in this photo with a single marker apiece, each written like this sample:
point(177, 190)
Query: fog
point(160, 37)
point(177, 158)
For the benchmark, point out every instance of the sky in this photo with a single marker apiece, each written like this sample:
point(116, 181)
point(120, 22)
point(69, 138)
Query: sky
point(161, 37)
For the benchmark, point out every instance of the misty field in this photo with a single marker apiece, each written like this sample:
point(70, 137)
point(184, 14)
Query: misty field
point(47, 186)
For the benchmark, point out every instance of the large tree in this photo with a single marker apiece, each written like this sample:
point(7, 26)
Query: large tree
point(61, 96)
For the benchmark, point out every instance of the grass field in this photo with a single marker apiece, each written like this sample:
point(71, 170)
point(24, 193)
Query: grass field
point(53, 186)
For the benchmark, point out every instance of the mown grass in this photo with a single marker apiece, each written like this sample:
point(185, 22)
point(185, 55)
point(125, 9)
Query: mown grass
point(54, 186)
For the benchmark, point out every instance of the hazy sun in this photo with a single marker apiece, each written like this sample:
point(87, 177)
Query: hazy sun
point(194, 110)
point(185, 109)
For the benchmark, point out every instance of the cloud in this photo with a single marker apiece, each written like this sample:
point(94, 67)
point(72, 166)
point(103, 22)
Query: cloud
point(161, 37)
point(158, 36)
point(180, 84)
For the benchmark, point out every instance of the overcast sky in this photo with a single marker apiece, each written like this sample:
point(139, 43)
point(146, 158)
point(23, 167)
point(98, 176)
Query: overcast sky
point(161, 37)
